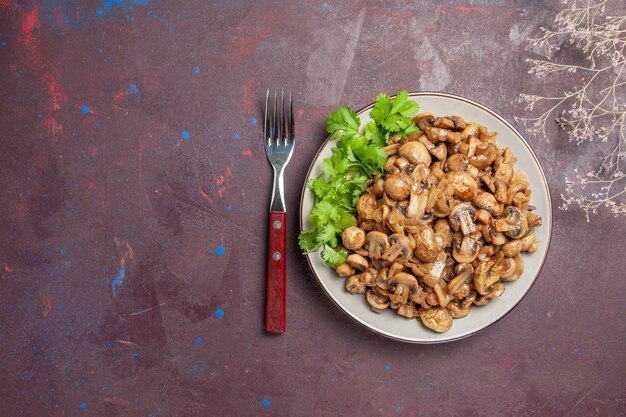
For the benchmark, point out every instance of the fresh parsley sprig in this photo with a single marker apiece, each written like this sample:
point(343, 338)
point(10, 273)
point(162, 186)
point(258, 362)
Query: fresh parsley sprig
point(356, 157)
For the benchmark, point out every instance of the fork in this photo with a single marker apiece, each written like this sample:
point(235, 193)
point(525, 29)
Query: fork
point(278, 134)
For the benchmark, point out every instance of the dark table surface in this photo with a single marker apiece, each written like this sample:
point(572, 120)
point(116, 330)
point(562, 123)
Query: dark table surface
point(133, 216)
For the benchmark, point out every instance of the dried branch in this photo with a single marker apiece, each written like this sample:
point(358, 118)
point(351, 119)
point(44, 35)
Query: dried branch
point(595, 110)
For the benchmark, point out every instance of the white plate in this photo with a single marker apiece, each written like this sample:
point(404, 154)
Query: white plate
point(389, 323)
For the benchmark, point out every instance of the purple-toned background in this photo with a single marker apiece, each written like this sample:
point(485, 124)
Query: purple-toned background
point(134, 190)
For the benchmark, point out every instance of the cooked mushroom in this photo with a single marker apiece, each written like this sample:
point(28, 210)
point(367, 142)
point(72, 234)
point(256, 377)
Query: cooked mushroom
point(496, 291)
point(443, 229)
point(423, 120)
point(376, 243)
point(394, 269)
point(390, 165)
point(465, 249)
point(437, 318)
point(514, 225)
point(428, 244)
point(375, 186)
point(415, 152)
point(355, 286)
point(399, 247)
point(471, 129)
point(417, 204)
point(344, 270)
point(462, 217)
point(464, 272)
point(457, 311)
point(488, 202)
point(485, 276)
point(504, 173)
point(444, 122)
point(377, 302)
point(397, 187)
point(528, 241)
point(368, 277)
point(483, 216)
point(357, 261)
point(440, 151)
point(501, 194)
point(353, 237)
point(407, 310)
point(484, 156)
point(465, 187)
point(366, 205)
point(443, 298)
point(507, 267)
point(402, 284)
point(512, 248)
point(517, 272)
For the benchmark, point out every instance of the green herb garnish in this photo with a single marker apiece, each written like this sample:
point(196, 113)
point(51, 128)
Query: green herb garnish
point(355, 158)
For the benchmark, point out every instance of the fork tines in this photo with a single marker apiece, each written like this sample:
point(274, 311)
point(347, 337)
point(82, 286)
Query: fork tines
point(278, 126)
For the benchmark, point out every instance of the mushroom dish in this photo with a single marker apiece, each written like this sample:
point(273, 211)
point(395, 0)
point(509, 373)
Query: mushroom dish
point(444, 228)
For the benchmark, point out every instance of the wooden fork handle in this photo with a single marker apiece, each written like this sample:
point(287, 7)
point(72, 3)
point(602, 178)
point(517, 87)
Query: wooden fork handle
point(275, 302)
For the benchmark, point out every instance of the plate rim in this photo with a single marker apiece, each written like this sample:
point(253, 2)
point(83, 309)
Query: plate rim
point(541, 265)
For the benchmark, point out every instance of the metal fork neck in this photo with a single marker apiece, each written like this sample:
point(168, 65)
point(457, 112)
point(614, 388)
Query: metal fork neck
point(278, 191)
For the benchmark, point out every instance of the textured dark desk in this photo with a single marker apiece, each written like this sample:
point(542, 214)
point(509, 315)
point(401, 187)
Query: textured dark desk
point(133, 216)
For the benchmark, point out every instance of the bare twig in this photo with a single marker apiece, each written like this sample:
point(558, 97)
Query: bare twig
point(596, 110)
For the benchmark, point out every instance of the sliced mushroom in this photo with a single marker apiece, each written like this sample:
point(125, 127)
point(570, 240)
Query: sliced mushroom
point(483, 216)
point(488, 202)
point(465, 187)
point(437, 318)
point(464, 273)
point(440, 152)
point(390, 164)
point(417, 204)
point(507, 267)
point(485, 276)
point(519, 268)
point(402, 284)
point(377, 302)
point(375, 186)
point(465, 249)
point(376, 243)
point(344, 270)
point(514, 224)
point(495, 291)
point(471, 129)
point(397, 187)
point(428, 244)
point(504, 173)
point(353, 237)
point(357, 262)
point(484, 156)
point(368, 277)
point(444, 122)
point(366, 205)
point(459, 123)
point(528, 241)
point(407, 310)
point(442, 228)
point(437, 134)
point(423, 120)
point(400, 246)
point(512, 248)
point(355, 286)
point(457, 311)
point(443, 298)
point(462, 217)
point(415, 152)
point(501, 194)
